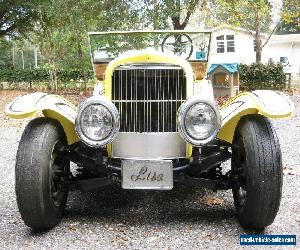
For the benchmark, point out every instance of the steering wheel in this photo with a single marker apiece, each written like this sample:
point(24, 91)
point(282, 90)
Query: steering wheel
point(175, 43)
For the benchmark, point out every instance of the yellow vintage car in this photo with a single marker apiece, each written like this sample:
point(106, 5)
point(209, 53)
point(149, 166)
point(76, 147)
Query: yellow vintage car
point(151, 123)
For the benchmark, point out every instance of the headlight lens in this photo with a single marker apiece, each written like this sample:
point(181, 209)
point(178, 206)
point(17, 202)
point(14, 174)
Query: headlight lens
point(97, 122)
point(198, 121)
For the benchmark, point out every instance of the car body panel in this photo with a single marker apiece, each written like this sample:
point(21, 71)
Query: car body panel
point(148, 56)
point(52, 106)
point(56, 107)
point(202, 88)
point(272, 104)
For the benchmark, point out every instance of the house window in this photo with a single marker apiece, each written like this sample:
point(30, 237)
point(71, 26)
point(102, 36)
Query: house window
point(230, 43)
point(220, 47)
point(254, 45)
point(220, 44)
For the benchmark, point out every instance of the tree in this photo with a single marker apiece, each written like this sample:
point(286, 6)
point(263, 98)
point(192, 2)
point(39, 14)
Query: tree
point(16, 17)
point(164, 14)
point(175, 10)
point(5, 56)
point(253, 15)
point(290, 17)
point(58, 28)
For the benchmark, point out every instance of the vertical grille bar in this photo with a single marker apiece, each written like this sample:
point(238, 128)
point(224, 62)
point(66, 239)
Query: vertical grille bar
point(148, 97)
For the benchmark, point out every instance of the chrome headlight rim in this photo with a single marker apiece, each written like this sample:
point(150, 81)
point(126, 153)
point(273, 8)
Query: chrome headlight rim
point(115, 121)
point(182, 112)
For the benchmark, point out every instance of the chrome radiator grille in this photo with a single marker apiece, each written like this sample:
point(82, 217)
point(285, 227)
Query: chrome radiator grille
point(148, 97)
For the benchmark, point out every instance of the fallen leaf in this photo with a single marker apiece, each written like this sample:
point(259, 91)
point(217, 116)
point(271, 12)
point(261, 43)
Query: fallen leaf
point(212, 200)
point(73, 226)
point(13, 221)
point(289, 171)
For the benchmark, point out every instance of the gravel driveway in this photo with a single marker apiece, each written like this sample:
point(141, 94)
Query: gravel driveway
point(183, 218)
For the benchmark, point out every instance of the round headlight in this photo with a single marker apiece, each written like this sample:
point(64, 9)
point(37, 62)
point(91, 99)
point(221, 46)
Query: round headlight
point(97, 122)
point(198, 121)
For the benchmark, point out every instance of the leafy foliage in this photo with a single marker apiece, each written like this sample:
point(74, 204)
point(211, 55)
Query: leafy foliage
point(5, 60)
point(12, 76)
point(17, 16)
point(290, 17)
point(58, 28)
point(262, 76)
point(241, 13)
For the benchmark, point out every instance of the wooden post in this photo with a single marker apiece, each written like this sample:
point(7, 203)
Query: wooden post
point(238, 82)
point(231, 85)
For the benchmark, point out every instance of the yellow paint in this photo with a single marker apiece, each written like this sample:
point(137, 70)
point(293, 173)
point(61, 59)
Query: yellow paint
point(231, 115)
point(68, 126)
point(147, 56)
point(23, 115)
point(226, 132)
point(189, 150)
point(252, 105)
point(201, 88)
point(47, 106)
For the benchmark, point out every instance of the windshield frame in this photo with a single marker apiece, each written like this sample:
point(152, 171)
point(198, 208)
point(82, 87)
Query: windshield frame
point(95, 33)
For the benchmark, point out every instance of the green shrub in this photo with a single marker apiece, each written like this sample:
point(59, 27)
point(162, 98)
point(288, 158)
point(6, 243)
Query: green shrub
point(28, 78)
point(262, 76)
point(42, 75)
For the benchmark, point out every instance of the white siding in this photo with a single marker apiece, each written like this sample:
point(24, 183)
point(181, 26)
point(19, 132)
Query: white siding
point(278, 46)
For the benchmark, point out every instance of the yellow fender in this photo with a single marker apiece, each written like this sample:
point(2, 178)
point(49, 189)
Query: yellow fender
point(272, 104)
point(52, 106)
point(269, 103)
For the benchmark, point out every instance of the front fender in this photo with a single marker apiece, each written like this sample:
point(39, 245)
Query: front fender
point(272, 104)
point(52, 106)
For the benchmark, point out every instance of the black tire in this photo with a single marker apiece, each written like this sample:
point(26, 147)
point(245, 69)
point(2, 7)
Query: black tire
point(257, 169)
point(39, 168)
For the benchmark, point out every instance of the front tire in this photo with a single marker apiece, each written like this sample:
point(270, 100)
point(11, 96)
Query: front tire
point(257, 170)
point(40, 167)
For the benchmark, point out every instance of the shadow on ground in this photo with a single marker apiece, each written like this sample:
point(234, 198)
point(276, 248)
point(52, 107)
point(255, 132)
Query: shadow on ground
point(182, 204)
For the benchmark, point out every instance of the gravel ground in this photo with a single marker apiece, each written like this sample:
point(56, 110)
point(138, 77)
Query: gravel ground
point(112, 218)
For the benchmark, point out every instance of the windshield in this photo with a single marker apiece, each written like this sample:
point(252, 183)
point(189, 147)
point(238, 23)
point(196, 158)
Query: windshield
point(190, 45)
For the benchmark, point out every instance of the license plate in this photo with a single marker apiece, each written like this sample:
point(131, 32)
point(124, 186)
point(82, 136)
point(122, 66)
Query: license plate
point(147, 174)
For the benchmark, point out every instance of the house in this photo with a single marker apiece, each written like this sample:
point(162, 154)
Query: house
point(237, 45)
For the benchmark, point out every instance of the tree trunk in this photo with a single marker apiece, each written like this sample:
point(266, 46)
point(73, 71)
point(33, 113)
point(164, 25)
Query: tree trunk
point(80, 58)
point(155, 15)
point(13, 56)
point(35, 57)
point(176, 17)
point(257, 35)
point(23, 62)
